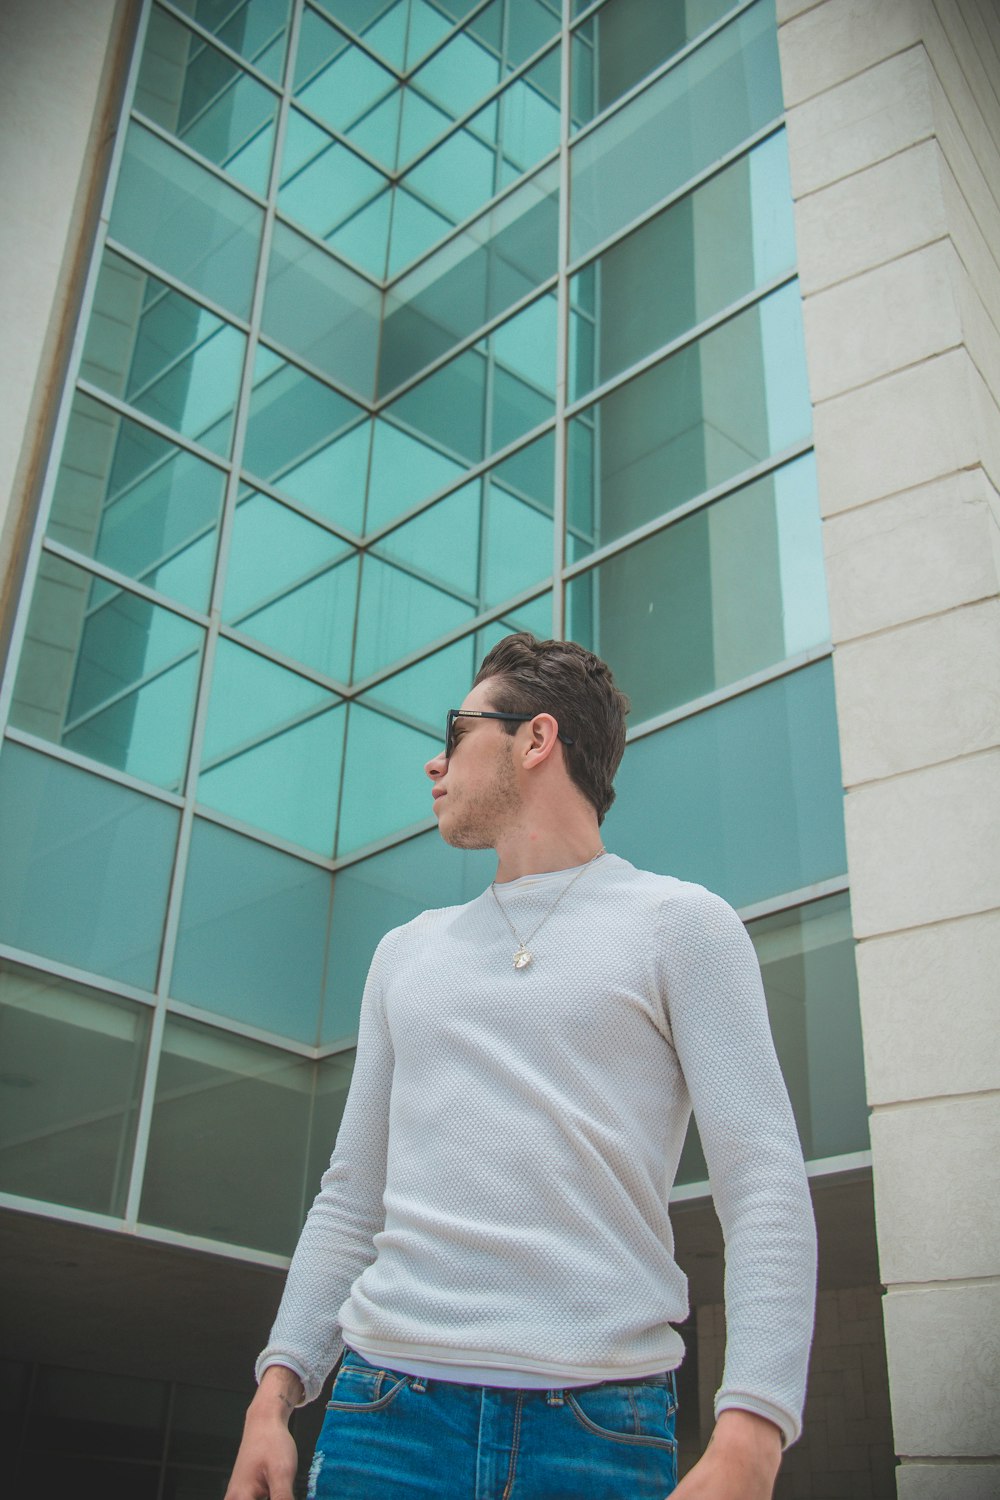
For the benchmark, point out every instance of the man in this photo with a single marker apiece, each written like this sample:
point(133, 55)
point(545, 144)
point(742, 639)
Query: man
point(491, 1241)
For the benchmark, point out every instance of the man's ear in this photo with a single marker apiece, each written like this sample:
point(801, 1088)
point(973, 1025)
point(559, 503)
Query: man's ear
point(544, 736)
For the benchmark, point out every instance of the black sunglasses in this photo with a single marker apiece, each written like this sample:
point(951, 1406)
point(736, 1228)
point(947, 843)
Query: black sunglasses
point(484, 713)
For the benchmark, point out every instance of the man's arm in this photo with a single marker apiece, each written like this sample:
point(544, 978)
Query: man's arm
point(718, 1020)
point(266, 1463)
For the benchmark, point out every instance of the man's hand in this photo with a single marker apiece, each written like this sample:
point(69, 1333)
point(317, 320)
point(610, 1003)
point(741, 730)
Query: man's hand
point(740, 1463)
point(266, 1463)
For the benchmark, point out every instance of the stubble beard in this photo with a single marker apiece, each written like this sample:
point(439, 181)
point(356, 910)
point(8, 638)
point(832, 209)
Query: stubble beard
point(481, 823)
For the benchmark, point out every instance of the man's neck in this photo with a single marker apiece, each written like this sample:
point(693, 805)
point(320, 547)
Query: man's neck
point(539, 851)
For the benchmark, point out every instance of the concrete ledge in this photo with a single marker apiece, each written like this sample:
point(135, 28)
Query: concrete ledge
point(943, 1346)
point(948, 1481)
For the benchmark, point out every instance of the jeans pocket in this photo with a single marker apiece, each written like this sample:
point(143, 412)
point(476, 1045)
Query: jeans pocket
point(640, 1414)
point(366, 1388)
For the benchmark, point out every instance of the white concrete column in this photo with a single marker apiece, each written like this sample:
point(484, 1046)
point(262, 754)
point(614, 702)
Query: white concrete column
point(61, 69)
point(894, 138)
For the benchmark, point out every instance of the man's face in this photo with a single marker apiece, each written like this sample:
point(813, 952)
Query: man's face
point(476, 793)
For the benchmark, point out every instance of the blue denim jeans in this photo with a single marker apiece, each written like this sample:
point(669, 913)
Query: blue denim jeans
point(387, 1434)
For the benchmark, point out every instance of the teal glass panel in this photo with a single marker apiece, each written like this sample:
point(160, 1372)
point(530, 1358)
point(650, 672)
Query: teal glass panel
point(385, 789)
point(207, 101)
point(292, 585)
point(335, 194)
point(465, 69)
point(420, 123)
point(384, 891)
point(731, 399)
point(307, 440)
point(273, 748)
point(164, 354)
point(806, 958)
point(684, 122)
point(332, 1081)
point(728, 237)
point(744, 798)
point(134, 502)
point(255, 29)
point(400, 612)
point(229, 1114)
point(499, 260)
point(72, 1076)
point(108, 675)
point(416, 227)
point(725, 592)
point(623, 42)
point(504, 139)
point(106, 850)
point(490, 539)
point(344, 86)
point(252, 933)
point(382, 24)
point(321, 310)
point(182, 218)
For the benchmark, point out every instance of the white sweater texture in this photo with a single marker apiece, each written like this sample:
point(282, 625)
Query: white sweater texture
point(498, 1195)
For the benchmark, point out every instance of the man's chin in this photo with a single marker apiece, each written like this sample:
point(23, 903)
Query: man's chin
point(464, 838)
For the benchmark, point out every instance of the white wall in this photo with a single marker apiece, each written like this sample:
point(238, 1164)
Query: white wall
point(894, 137)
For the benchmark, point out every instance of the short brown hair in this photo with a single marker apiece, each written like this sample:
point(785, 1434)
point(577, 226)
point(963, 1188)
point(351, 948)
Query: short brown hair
point(574, 686)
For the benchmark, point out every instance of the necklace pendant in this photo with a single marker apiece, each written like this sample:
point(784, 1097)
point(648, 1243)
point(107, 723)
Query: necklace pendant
point(522, 958)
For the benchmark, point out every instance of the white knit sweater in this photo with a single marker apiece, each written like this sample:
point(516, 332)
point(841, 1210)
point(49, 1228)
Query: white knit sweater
point(497, 1198)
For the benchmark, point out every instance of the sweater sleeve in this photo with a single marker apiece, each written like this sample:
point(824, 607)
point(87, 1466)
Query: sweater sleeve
point(718, 1019)
point(336, 1243)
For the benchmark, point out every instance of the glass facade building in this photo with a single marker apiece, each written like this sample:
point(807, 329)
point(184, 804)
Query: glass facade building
point(409, 323)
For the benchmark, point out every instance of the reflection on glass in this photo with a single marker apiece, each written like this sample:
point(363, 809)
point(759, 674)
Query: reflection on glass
point(321, 310)
point(307, 440)
point(735, 587)
point(714, 98)
point(69, 1093)
point(621, 43)
point(699, 418)
point(745, 798)
point(488, 540)
point(253, 28)
point(474, 278)
point(203, 98)
point(108, 675)
point(335, 194)
point(164, 354)
point(252, 933)
point(135, 503)
point(182, 218)
point(806, 958)
point(399, 613)
point(229, 1114)
point(401, 31)
point(273, 746)
point(347, 89)
point(730, 235)
point(382, 752)
point(292, 585)
point(486, 397)
point(106, 849)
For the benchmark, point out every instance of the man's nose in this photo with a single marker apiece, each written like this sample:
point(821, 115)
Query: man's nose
point(437, 766)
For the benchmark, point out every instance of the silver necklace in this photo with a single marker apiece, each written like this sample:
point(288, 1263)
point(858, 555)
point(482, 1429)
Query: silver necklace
point(522, 958)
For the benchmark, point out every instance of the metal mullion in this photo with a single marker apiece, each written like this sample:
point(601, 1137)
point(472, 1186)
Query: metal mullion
point(421, 575)
point(698, 502)
point(176, 144)
point(304, 232)
point(336, 1048)
point(244, 1253)
point(562, 336)
point(355, 40)
point(464, 225)
point(173, 909)
point(58, 438)
point(73, 975)
point(214, 41)
point(189, 352)
point(233, 1027)
point(784, 668)
point(468, 342)
point(92, 767)
point(122, 581)
point(285, 592)
point(795, 900)
point(682, 341)
point(265, 737)
point(388, 841)
point(263, 836)
point(662, 204)
point(355, 148)
point(174, 284)
point(152, 424)
point(586, 14)
point(271, 491)
point(474, 471)
point(237, 637)
point(667, 66)
point(449, 36)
